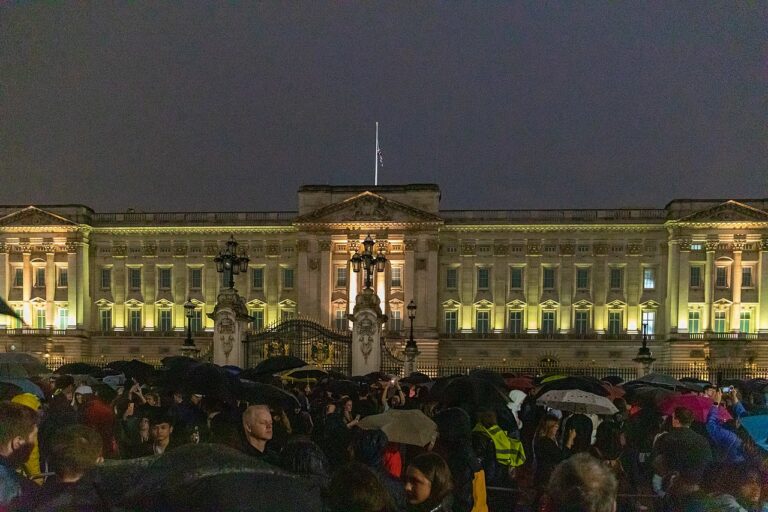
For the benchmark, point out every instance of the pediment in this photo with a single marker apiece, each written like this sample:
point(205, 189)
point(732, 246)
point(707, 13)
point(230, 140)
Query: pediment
point(729, 211)
point(451, 303)
point(616, 304)
point(582, 304)
point(516, 304)
point(33, 216)
point(368, 208)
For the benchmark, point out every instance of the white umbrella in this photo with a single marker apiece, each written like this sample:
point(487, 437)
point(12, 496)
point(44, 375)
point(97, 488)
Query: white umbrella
point(577, 401)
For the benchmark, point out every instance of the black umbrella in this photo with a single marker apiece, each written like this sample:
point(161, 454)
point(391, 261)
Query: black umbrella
point(31, 364)
point(660, 380)
point(343, 387)
point(139, 371)
point(276, 364)
point(259, 393)
point(416, 378)
point(8, 390)
point(77, 369)
point(377, 377)
point(117, 365)
point(583, 383)
point(178, 361)
point(208, 379)
point(613, 380)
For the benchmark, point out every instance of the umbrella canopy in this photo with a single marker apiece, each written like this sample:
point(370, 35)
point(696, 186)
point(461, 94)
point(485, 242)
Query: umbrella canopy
point(698, 405)
point(138, 370)
point(117, 365)
point(757, 428)
point(31, 364)
point(182, 361)
point(377, 377)
point(304, 373)
point(582, 383)
point(660, 379)
point(208, 379)
point(12, 370)
point(647, 396)
point(416, 378)
point(577, 401)
point(260, 393)
point(343, 387)
point(8, 390)
point(277, 364)
point(614, 380)
point(26, 386)
point(520, 383)
point(77, 369)
point(409, 426)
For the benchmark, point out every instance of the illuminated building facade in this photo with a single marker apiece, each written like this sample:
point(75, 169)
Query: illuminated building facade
point(491, 285)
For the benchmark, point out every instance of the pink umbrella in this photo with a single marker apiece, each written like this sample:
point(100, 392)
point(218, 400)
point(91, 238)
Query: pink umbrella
point(698, 405)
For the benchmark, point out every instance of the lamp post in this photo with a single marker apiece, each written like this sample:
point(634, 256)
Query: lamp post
point(189, 348)
point(369, 262)
point(644, 356)
point(411, 350)
point(230, 262)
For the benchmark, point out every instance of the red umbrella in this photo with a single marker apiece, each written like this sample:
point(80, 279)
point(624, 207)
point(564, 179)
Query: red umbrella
point(698, 405)
point(521, 383)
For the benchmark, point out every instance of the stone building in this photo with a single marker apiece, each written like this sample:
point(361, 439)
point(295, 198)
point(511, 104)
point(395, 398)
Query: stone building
point(491, 286)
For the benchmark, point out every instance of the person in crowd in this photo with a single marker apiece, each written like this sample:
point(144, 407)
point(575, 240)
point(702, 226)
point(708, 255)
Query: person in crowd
point(257, 432)
point(548, 451)
point(18, 429)
point(305, 458)
point(455, 446)
point(160, 433)
point(581, 483)
point(515, 404)
point(428, 484)
point(126, 425)
point(509, 453)
point(31, 468)
point(608, 449)
point(732, 487)
point(725, 441)
point(583, 426)
point(355, 488)
point(368, 447)
point(397, 400)
point(345, 407)
point(96, 413)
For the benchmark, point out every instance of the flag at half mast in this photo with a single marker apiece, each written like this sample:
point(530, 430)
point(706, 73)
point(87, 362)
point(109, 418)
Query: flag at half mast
point(379, 157)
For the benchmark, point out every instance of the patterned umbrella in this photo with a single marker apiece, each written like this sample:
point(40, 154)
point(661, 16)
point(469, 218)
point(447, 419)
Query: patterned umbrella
point(577, 401)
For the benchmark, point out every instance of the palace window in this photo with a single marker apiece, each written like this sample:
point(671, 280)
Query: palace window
point(164, 321)
point(17, 324)
point(548, 322)
point(18, 277)
point(515, 323)
point(396, 276)
point(649, 278)
point(451, 321)
point(286, 314)
point(548, 280)
point(340, 321)
point(614, 323)
point(287, 278)
point(695, 277)
point(745, 318)
point(257, 278)
point(39, 277)
point(483, 278)
point(164, 278)
point(258, 319)
point(105, 319)
point(694, 322)
point(134, 320)
point(395, 321)
point(746, 277)
point(721, 277)
point(582, 279)
point(341, 277)
point(105, 279)
point(649, 321)
point(483, 321)
point(134, 279)
point(62, 318)
point(616, 278)
point(581, 321)
point(516, 278)
point(62, 278)
point(195, 279)
point(452, 278)
point(40, 322)
point(720, 321)
point(196, 321)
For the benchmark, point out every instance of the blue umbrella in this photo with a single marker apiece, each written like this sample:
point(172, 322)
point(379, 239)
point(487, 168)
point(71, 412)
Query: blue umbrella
point(757, 428)
point(26, 386)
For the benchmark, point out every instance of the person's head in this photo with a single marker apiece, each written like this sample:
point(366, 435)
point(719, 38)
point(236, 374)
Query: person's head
point(303, 457)
point(368, 447)
point(682, 417)
point(195, 399)
point(257, 423)
point(161, 426)
point(548, 426)
point(356, 488)
point(65, 385)
point(83, 394)
point(581, 483)
point(394, 401)
point(330, 408)
point(177, 397)
point(124, 407)
point(345, 404)
point(73, 450)
point(608, 439)
point(427, 480)
point(681, 461)
point(454, 426)
point(18, 429)
point(486, 417)
point(709, 390)
point(153, 399)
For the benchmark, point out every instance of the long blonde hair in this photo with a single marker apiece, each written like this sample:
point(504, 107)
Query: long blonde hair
point(546, 421)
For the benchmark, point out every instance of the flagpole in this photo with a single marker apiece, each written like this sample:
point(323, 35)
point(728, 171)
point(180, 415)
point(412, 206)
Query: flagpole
point(376, 157)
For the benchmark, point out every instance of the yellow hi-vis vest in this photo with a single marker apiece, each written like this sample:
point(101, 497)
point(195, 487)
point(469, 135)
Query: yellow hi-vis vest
point(509, 451)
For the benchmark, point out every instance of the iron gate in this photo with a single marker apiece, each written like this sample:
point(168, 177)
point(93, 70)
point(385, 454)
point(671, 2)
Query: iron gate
point(302, 338)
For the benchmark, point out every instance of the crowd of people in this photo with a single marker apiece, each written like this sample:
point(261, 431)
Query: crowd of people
point(494, 449)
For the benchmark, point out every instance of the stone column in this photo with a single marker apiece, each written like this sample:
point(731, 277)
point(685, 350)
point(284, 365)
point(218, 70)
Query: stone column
point(26, 292)
point(533, 285)
point(431, 306)
point(230, 317)
point(367, 321)
point(50, 288)
point(709, 283)
point(762, 276)
point(674, 286)
point(75, 282)
point(738, 246)
point(4, 282)
point(84, 292)
point(683, 284)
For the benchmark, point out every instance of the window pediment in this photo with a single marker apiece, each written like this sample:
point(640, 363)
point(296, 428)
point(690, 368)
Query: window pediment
point(550, 304)
point(616, 304)
point(583, 304)
point(451, 303)
point(287, 303)
point(516, 304)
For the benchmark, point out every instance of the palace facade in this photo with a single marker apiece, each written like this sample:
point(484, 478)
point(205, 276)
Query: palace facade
point(491, 286)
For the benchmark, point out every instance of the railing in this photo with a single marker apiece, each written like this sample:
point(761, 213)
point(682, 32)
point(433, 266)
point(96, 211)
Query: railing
point(533, 369)
point(26, 331)
point(556, 336)
point(54, 362)
point(150, 334)
point(642, 214)
point(743, 336)
point(184, 218)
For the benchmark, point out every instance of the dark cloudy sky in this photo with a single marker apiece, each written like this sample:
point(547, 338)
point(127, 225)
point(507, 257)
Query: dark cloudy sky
point(234, 105)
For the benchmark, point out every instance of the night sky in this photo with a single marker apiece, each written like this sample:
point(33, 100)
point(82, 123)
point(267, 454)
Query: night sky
point(234, 105)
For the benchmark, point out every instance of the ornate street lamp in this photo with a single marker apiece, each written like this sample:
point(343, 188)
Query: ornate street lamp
point(189, 348)
point(230, 262)
point(411, 350)
point(369, 262)
point(644, 355)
